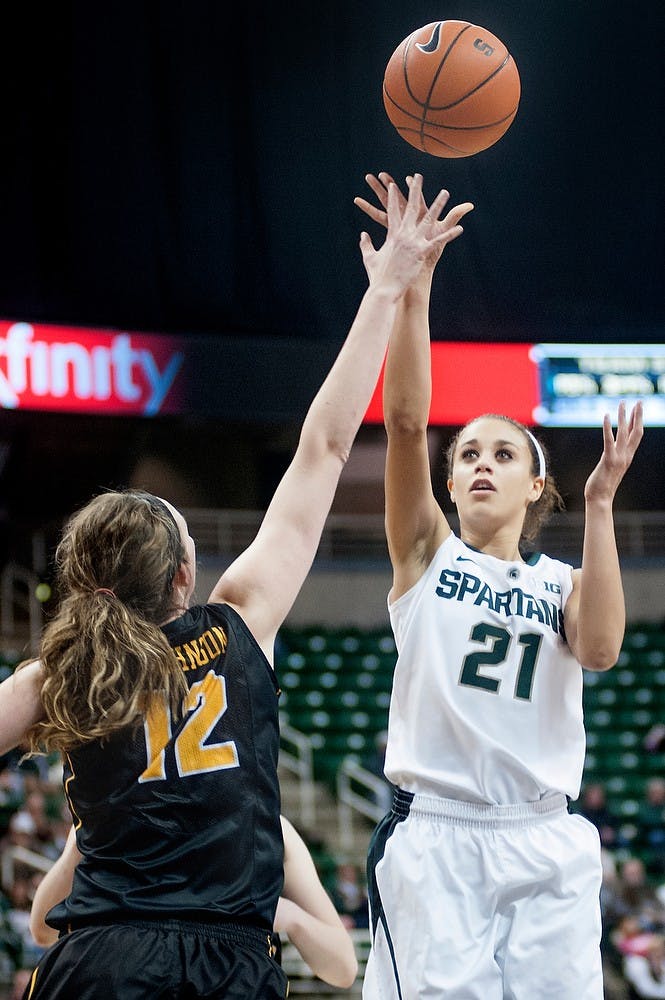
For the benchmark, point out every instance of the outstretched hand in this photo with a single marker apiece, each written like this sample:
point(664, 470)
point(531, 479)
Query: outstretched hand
point(618, 453)
point(448, 228)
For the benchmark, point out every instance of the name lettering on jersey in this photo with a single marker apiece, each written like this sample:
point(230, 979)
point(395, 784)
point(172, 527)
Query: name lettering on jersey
point(200, 651)
point(456, 586)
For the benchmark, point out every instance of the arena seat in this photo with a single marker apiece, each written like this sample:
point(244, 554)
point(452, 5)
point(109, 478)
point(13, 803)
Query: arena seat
point(337, 684)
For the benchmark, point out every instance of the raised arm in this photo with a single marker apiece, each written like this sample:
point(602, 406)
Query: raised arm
point(263, 582)
point(595, 615)
point(306, 914)
point(415, 523)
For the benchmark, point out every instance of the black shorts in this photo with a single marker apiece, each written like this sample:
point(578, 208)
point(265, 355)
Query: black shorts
point(172, 960)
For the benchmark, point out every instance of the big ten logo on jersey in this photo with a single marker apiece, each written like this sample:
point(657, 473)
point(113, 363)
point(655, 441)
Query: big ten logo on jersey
point(199, 652)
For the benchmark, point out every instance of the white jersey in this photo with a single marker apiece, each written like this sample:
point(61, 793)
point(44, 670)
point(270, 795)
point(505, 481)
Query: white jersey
point(486, 703)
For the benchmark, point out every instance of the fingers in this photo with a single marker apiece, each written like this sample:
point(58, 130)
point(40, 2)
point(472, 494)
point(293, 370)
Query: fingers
point(379, 186)
point(366, 245)
point(437, 206)
point(631, 427)
point(636, 425)
point(376, 214)
point(608, 436)
point(414, 199)
point(393, 208)
point(456, 214)
point(629, 432)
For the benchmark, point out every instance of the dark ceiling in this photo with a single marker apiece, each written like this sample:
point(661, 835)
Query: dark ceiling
point(185, 167)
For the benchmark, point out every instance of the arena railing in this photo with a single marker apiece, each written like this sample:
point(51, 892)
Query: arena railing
point(358, 791)
point(361, 537)
point(296, 756)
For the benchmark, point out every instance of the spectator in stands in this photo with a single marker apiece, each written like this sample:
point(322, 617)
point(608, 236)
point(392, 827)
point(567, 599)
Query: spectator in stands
point(11, 797)
point(22, 831)
point(20, 983)
point(18, 916)
point(645, 972)
point(350, 895)
point(629, 936)
point(11, 943)
point(35, 806)
point(651, 824)
point(654, 741)
point(636, 896)
point(593, 806)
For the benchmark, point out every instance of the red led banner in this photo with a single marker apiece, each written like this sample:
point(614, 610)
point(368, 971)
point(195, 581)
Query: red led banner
point(469, 379)
point(233, 377)
point(79, 370)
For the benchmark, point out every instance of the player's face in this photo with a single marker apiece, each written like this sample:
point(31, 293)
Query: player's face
point(492, 473)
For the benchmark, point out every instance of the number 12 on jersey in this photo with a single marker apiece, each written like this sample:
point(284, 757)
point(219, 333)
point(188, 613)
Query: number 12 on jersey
point(206, 700)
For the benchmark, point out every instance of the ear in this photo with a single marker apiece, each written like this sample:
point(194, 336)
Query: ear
point(451, 490)
point(183, 576)
point(537, 487)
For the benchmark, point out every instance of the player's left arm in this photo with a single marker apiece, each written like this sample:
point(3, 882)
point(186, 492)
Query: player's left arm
point(20, 704)
point(264, 581)
point(306, 914)
point(595, 613)
point(54, 887)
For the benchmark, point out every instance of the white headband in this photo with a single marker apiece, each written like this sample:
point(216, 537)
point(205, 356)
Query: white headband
point(542, 470)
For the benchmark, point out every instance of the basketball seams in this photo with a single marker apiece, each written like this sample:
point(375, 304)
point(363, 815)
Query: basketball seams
point(474, 90)
point(442, 61)
point(418, 133)
point(410, 43)
point(419, 73)
point(470, 128)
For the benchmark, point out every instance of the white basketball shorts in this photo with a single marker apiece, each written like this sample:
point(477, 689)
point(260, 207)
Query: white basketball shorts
point(481, 902)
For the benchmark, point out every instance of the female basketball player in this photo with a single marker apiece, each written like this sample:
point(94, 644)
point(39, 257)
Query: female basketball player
point(305, 911)
point(482, 884)
point(166, 714)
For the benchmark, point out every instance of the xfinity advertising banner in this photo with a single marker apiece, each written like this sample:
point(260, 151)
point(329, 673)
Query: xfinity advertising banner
point(87, 370)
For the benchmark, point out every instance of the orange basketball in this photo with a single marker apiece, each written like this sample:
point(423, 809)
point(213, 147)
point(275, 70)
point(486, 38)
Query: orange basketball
point(451, 88)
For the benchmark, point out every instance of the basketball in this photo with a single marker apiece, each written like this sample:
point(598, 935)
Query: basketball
point(451, 88)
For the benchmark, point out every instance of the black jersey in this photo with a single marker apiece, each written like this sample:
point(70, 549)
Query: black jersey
point(181, 821)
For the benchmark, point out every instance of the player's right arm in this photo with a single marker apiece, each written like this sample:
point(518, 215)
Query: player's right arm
point(20, 704)
point(415, 523)
point(306, 913)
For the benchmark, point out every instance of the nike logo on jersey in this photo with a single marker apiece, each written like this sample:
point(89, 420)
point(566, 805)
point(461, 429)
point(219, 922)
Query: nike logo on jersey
point(465, 559)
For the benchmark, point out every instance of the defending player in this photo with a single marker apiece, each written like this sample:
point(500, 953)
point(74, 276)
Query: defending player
point(166, 713)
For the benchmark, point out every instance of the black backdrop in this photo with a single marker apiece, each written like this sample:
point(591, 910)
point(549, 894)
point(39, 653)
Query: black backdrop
point(183, 167)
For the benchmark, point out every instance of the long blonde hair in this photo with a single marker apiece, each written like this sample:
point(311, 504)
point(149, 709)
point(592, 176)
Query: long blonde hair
point(103, 654)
